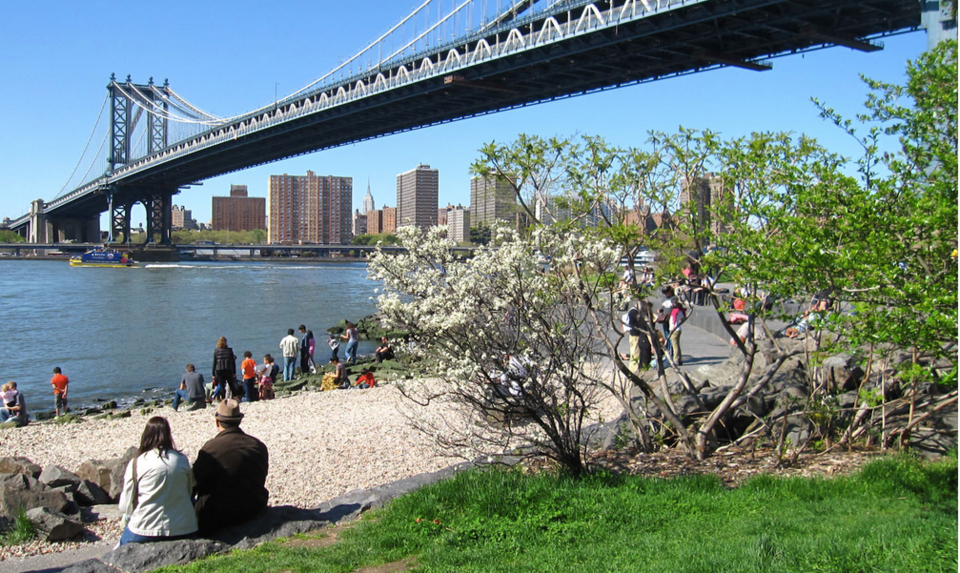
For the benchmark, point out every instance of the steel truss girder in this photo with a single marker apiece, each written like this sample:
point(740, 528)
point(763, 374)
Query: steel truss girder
point(125, 114)
point(159, 216)
point(120, 220)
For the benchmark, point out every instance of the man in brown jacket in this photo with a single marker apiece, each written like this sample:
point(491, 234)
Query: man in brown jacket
point(230, 473)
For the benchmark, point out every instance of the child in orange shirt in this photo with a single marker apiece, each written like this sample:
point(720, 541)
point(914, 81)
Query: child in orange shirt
point(365, 380)
point(59, 383)
point(249, 369)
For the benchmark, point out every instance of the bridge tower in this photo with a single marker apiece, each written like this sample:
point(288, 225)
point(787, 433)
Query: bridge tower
point(128, 101)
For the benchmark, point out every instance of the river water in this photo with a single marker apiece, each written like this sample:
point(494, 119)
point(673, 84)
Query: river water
point(118, 332)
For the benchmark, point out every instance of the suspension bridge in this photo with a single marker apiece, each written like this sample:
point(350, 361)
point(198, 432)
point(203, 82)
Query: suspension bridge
point(435, 66)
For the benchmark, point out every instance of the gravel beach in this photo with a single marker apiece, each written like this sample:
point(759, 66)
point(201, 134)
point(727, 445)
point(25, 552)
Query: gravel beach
point(321, 444)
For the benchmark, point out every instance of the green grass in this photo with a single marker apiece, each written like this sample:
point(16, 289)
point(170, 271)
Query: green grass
point(22, 530)
point(898, 514)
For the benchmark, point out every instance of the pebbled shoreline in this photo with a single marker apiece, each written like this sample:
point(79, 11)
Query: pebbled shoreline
point(322, 445)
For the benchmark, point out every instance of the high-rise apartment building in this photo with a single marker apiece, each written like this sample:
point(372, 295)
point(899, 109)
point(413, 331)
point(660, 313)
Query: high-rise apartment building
point(311, 209)
point(359, 223)
point(417, 197)
point(492, 199)
point(548, 209)
point(704, 199)
point(182, 218)
point(458, 224)
point(442, 213)
point(238, 212)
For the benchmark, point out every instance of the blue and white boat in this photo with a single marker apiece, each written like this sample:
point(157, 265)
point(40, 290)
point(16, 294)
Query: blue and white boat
point(103, 258)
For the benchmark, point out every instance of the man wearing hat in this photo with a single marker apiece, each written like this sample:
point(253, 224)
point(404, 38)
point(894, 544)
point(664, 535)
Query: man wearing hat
point(230, 473)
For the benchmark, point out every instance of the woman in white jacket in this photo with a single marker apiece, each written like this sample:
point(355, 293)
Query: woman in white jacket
point(157, 487)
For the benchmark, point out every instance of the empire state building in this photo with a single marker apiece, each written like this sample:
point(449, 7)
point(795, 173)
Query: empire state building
point(368, 204)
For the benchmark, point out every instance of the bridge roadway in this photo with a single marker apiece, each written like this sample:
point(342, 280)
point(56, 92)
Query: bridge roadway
point(582, 47)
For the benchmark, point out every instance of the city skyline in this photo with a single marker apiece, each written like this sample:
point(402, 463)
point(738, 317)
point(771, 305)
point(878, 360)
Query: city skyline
point(732, 101)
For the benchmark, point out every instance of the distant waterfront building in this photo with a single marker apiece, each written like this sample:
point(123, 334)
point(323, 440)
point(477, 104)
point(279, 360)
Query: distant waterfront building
point(359, 223)
point(458, 224)
point(417, 197)
point(368, 203)
point(551, 209)
point(380, 221)
point(442, 213)
point(309, 209)
point(239, 212)
point(703, 198)
point(493, 199)
point(182, 218)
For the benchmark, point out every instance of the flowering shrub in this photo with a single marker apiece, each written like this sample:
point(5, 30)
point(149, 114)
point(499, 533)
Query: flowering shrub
point(504, 334)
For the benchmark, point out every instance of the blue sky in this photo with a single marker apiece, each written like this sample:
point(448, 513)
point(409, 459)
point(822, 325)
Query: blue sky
point(229, 57)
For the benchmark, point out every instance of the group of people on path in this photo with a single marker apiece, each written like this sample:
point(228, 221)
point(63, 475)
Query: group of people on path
point(164, 498)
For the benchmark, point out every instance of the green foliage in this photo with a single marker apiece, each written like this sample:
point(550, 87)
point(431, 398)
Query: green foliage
point(22, 531)
point(383, 238)
point(254, 237)
point(480, 235)
point(896, 515)
point(8, 236)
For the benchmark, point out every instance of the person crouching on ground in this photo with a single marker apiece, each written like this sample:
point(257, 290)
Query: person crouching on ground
point(157, 486)
point(230, 473)
point(366, 379)
point(191, 389)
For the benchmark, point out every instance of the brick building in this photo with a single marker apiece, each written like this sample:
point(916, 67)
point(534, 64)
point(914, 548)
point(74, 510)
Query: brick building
point(238, 212)
point(308, 209)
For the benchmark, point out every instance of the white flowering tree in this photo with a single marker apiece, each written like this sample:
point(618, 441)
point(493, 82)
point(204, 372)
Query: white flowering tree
point(502, 337)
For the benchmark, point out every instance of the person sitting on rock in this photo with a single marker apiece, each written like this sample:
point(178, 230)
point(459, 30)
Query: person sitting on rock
point(385, 351)
point(157, 487)
point(14, 405)
point(191, 389)
point(230, 473)
point(341, 379)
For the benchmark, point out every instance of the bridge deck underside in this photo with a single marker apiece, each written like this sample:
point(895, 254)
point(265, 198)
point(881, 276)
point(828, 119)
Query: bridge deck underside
point(696, 37)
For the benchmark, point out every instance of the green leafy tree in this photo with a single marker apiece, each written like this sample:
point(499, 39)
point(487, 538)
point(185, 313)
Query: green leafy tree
point(8, 236)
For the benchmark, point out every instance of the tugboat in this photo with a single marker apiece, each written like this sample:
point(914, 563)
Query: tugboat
point(102, 258)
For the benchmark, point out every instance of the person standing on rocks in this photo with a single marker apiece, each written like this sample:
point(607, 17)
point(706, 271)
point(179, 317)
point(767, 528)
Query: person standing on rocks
point(157, 486)
point(306, 354)
point(289, 346)
point(59, 383)
point(224, 370)
point(353, 340)
point(230, 472)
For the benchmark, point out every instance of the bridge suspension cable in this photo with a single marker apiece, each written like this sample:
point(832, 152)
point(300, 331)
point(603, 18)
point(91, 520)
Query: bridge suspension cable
point(86, 146)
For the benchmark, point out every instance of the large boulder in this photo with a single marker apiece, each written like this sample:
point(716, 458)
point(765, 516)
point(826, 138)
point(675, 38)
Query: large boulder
point(19, 465)
point(138, 557)
point(20, 491)
point(842, 373)
point(54, 525)
point(55, 476)
point(101, 512)
point(108, 474)
point(89, 493)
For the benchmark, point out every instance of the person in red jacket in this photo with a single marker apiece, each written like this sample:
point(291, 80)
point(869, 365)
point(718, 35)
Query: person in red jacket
point(365, 380)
